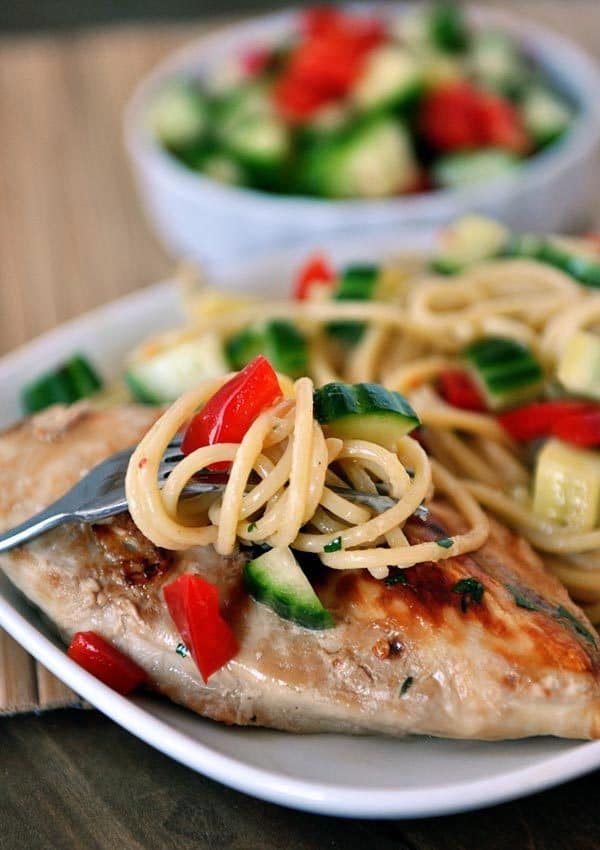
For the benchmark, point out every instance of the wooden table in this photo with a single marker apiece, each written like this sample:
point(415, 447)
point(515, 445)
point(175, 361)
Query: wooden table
point(72, 237)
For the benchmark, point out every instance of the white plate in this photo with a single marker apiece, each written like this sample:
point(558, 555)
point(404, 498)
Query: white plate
point(331, 774)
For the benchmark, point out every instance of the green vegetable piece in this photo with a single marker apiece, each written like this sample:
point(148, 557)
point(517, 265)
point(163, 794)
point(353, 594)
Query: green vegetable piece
point(406, 685)
point(276, 579)
point(445, 542)
point(334, 546)
point(283, 345)
point(71, 381)
point(522, 600)
point(471, 590)
point(505, 369)
point(459, 170)
point(364, 411)
point(448, 28)
point(178, 116)
point(357, 283)
point(576, 625)
point(181, 649)
point(398, 578)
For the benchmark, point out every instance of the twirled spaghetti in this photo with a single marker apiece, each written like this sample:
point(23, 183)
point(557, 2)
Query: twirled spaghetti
point(291, 503)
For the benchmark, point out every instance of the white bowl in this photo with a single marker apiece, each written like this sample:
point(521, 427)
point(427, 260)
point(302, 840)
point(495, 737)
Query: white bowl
point(215, 224)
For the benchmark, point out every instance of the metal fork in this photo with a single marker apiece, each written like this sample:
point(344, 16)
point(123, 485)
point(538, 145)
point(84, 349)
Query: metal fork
point(101, 494)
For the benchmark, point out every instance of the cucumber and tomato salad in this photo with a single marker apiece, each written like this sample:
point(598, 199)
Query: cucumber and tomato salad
point(354, 106)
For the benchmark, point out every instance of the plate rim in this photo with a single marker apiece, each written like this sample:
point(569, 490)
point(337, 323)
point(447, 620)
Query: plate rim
point(317, 796)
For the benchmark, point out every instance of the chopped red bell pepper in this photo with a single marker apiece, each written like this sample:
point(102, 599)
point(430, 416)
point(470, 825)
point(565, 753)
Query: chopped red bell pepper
point(458, 116)
point(326, 64)
point(193, 604)
point(459, 389)
point(581, 428)
point(317, 269)
point(228, 414)
point(539, 419)
point(105, 662)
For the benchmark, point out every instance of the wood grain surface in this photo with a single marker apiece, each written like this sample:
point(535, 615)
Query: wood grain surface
point(72, 237)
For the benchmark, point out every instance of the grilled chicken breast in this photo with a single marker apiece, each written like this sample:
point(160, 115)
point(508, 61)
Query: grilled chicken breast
point(415, 654)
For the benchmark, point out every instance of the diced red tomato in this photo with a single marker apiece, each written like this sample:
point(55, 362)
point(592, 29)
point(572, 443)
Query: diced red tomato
point(228, 414)
point(459, 389)
point(580, 428)
point(458, 116)
point(193, 604)
point(317, 269)
point(540, 419)
point(320, 20)
point(105, 662)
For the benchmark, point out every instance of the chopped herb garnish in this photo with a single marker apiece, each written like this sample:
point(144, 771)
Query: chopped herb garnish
point(522, 600)
point(334, 546)
point(445, 542)
point(471, 590)
point(399, 578)
point(565, 614)
point(251, 527)
point(406, 684)
point(181, 649)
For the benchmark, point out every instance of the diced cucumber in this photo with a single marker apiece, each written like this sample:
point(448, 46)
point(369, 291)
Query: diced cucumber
point(441, 25)
point(448, 27)
point(356, 283)
point(259, 142)
point(276, 579)
point(281, 342)
point(221, 166)
point(73, 380)
point(163, 376)
point(471, 239)
point(364, 412)
point(582, 267)
point(178, 116)
point(390, 79)
point(579, 366)
point(567, 486)
point(373, 159)
point(497, 63)
point(546, 115)
point(457, 170)
point(506, 371)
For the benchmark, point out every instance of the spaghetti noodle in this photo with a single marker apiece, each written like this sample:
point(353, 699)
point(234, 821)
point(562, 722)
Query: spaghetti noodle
point(292, 503)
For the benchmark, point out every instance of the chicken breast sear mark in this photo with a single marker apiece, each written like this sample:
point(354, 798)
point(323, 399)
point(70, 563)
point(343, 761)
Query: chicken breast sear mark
point(126, 547)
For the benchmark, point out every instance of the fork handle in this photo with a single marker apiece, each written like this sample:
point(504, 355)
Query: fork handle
point(39, 523)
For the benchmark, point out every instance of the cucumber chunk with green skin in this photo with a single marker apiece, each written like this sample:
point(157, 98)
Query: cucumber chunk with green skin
point(584, 269)
point(546, 115)
point(364, 412)
point(167, 374)
point(357, 283)
point(73, 380)
point(579, 366)
point(178, 117)
point(497, 63)
point(468, 240)
point(391, 79)
point(276, 579)
point(372, 159)
point(283, 345)
point(457, 170)
point(505, 370)
point(447, 27)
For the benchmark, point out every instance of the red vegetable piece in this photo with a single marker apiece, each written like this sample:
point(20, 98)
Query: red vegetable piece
point(316, 270)
point(538, 419)
point(320, 20)
point(105, 662)
point(228, 414)
point(458, 116)
point(459, 390)
point(193, 604)
point(581, 428)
